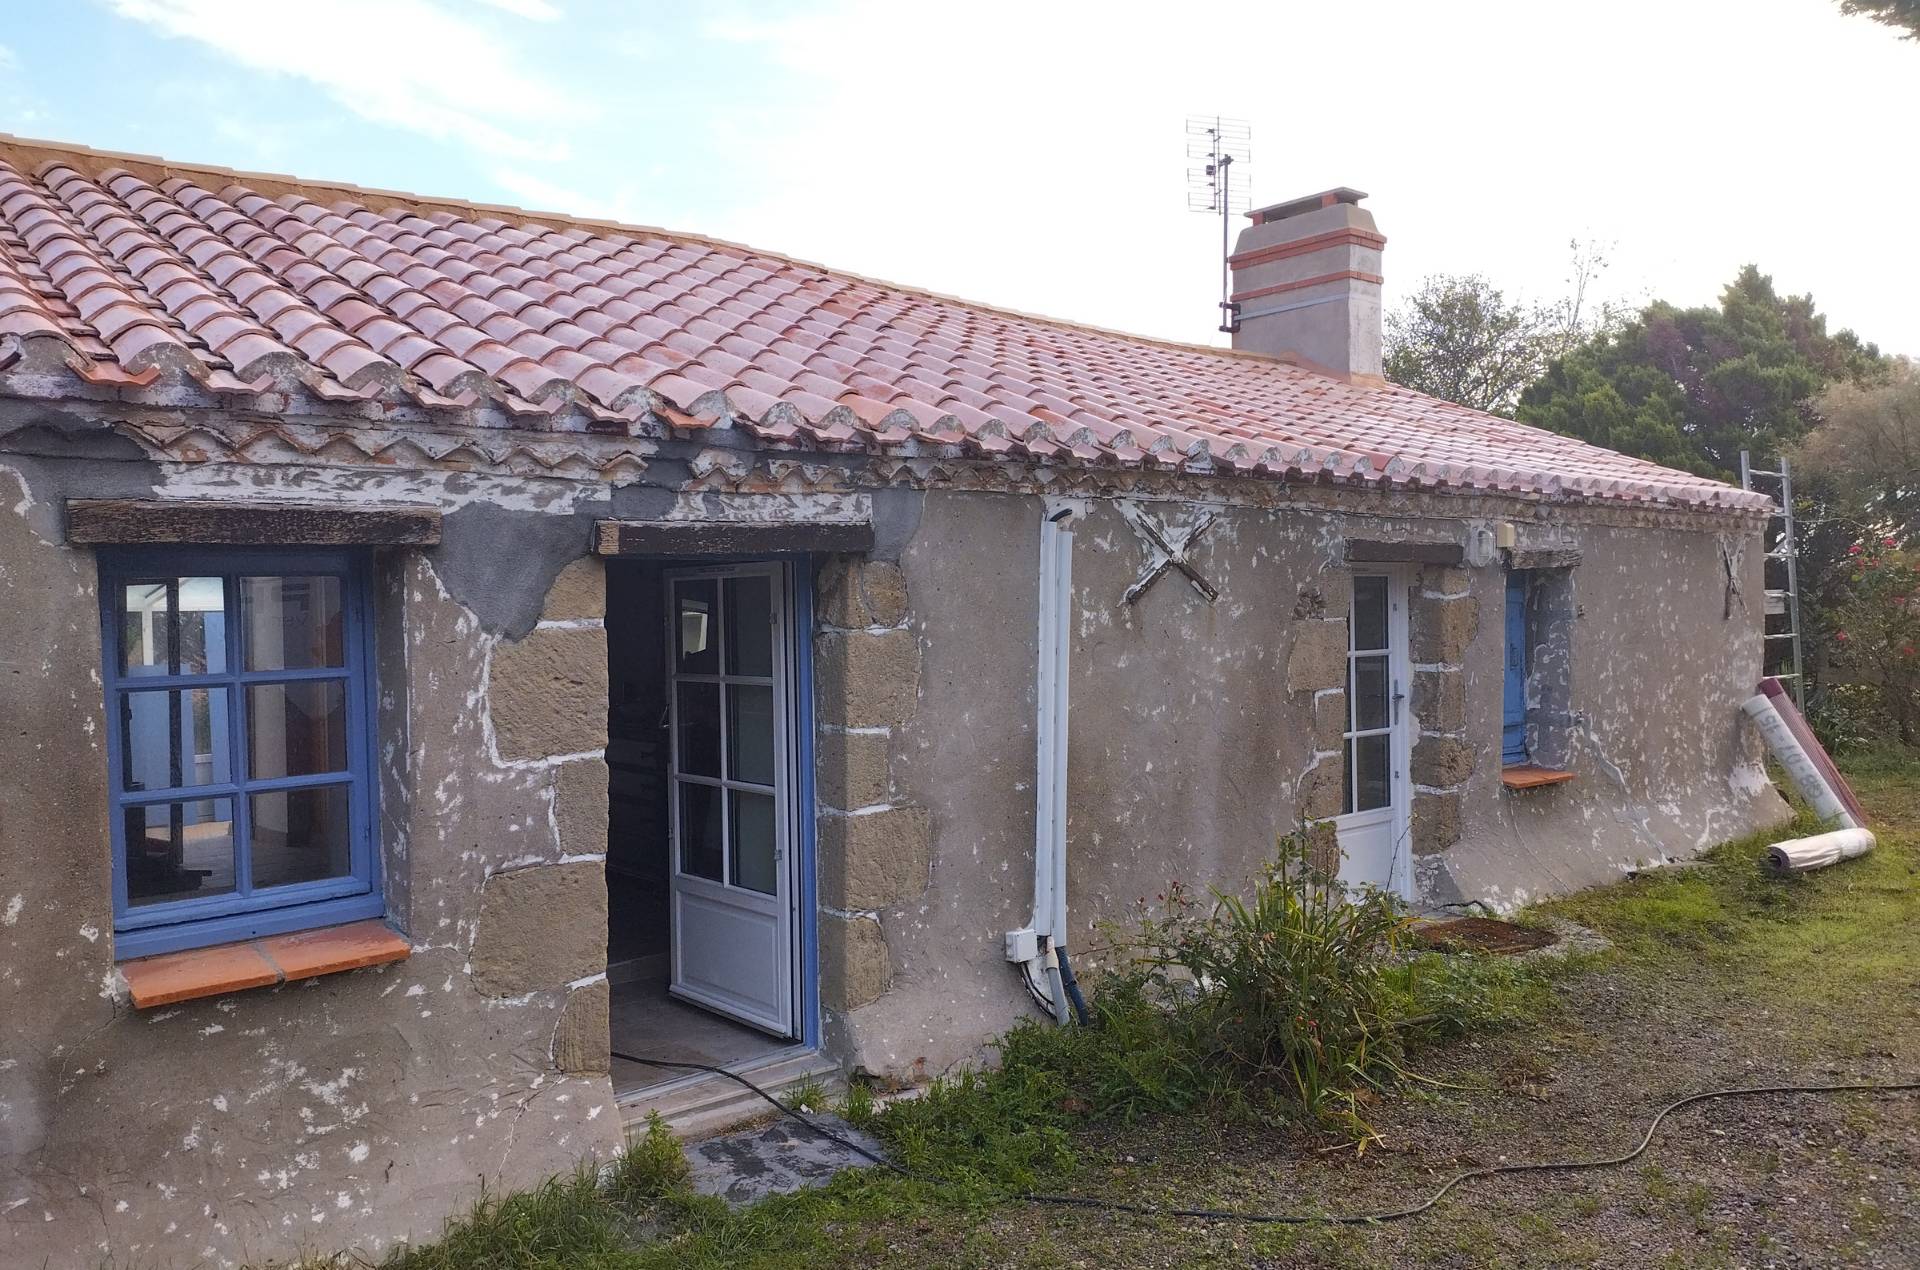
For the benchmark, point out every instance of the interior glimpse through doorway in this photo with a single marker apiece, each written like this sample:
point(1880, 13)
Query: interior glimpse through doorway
point(699, 720)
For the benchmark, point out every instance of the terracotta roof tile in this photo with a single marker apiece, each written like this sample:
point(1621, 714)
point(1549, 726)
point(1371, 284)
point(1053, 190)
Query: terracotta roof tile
point(453, 305)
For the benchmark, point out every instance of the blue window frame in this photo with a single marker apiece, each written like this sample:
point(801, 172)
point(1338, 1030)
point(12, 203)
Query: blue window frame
point(1513, 715)
point(239, 708)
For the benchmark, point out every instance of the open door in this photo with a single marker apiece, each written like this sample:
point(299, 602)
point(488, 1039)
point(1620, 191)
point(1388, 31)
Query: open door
point(733, 883)
point(1375, 829)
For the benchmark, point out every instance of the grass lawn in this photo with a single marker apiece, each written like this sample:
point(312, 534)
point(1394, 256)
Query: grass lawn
point(1720, 976)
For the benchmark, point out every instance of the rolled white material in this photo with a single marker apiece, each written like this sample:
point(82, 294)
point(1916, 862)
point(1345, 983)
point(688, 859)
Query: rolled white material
point(1800, 769)
point(1797, 855)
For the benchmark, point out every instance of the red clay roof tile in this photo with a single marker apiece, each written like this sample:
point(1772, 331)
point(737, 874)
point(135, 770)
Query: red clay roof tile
point(623, 321)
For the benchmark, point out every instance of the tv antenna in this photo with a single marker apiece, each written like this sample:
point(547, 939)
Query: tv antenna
point(1219, 144)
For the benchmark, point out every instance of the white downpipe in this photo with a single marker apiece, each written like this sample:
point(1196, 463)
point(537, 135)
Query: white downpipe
point(1050, 744)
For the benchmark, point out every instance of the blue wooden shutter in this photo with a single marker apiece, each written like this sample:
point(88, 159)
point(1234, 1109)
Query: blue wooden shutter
point(1513, 718)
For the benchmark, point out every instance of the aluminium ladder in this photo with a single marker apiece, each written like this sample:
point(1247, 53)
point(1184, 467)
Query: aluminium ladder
point(1781, 545)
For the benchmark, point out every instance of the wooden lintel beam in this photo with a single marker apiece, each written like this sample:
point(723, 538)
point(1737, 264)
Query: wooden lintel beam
point(729, 538)
point(125, 521)
point(1374, 551)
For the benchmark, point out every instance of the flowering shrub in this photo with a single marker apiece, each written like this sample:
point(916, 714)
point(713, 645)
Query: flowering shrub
point(1877, 642)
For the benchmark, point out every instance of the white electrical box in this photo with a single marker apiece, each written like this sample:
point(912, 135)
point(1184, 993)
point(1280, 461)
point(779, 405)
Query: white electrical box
point(1023, 945)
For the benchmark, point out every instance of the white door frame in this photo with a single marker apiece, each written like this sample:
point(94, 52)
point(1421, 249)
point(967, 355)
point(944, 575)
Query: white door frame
point(720, 931)
point(1396, 819)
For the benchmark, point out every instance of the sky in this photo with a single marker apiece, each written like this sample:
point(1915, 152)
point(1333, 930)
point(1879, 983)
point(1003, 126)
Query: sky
point(1031, 154)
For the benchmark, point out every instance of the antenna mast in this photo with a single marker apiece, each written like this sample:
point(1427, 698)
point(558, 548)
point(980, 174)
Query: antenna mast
point(1220, 143)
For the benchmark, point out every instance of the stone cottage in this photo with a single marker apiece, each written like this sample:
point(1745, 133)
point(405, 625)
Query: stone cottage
point(445, 645)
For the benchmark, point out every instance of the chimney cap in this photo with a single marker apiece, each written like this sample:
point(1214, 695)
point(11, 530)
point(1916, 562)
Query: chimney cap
point(1309, 203)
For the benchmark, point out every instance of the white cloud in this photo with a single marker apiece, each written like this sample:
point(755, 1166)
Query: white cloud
point(406, 63)
point(1032, 154)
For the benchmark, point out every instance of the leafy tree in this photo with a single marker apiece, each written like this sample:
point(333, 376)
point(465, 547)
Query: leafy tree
point(1866, 451)
point(1459, 338)
point(1878, 640)
point(1903, 15)
point(1691, 388)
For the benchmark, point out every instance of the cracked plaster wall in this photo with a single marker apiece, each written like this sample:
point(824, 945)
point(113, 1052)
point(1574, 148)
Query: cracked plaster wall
point(354, 1109)
point(1200, 731)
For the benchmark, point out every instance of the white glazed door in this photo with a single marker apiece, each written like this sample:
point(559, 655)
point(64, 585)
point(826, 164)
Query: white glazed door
point(733, 885)
point(1375, 827)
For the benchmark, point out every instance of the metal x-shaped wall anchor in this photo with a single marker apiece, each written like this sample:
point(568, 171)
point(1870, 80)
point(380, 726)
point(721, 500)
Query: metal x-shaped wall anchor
point(1167, 548)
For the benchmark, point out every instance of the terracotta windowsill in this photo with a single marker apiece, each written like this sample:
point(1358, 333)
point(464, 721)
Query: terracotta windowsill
point(260, 963)
point(1530, 776)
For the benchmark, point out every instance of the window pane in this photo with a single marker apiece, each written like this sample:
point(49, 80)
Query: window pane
point(750, 733)
point(300, 835)
point(296, 729)
point(1369, 612)
point(293, 623)
point(174, 626)
point(1370, 759)
point(179, 851)
point(174, 738)
point(699, 720)
point(695, 626)
point(1368, 686)
point(750, 626)
point(753, 857)
point(700, 830)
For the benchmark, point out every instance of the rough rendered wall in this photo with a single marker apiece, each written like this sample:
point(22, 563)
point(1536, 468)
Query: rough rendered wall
point(353, 1109)
point(1200, 731)
point(1664, 764)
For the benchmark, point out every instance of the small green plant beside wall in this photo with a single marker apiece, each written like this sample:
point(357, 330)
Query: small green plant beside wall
point(1296, 981)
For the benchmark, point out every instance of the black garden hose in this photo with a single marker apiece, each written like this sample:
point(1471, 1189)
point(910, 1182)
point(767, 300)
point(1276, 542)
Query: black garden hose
point(1322, 1219)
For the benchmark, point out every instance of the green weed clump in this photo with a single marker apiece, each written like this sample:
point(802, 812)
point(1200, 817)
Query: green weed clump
point(650, 1169)
point(564, 1224)
point(1288, 1003)
point(1292, 981)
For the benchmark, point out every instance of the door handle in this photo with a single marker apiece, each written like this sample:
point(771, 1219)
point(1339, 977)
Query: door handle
point(1398, 697)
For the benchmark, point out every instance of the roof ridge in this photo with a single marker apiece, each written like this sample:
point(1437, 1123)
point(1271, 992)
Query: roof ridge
point(161, 167)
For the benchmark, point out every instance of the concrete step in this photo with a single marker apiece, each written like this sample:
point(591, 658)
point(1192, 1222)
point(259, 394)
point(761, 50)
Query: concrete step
point(701, 1104)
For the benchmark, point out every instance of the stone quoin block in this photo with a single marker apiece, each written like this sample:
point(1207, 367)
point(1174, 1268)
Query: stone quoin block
point(871, 861)
point(579, 593)
point(1443, 629)
point(582, 1042)
point(1329, 720)
point(580, 806)
point(854, 968)
point(1445, 579)
point(548, 693)
point(1436, 822)
point(851, 768)
point(858, 593)
point(539, 928)
point(866, 678)
point(1441, 762)
point(1323, 789)
point(1440, 700)
point(1318, 658)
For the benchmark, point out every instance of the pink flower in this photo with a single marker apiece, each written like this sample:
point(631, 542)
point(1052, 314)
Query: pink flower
point(1840, 637)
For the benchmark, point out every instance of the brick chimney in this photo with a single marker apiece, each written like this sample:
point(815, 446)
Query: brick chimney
point(1306, 284)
